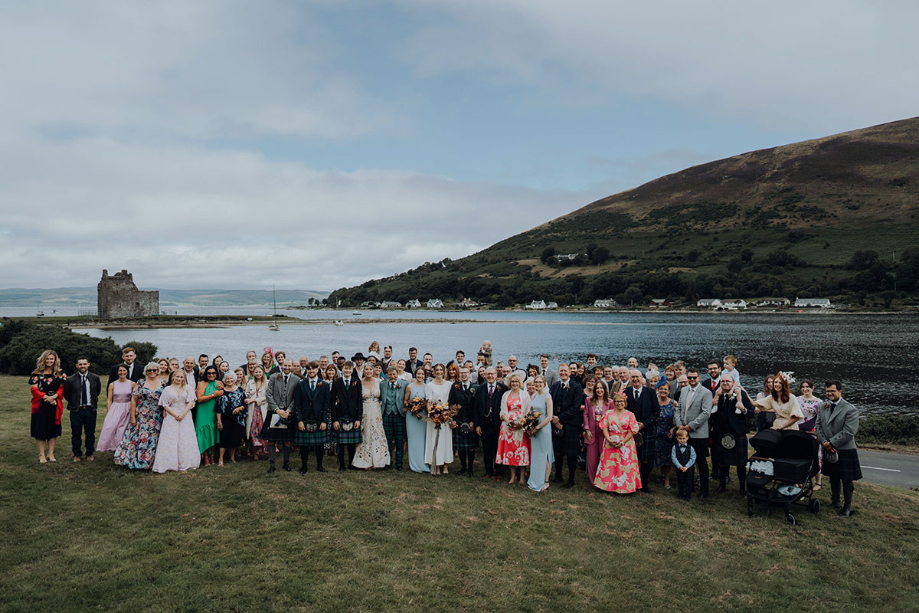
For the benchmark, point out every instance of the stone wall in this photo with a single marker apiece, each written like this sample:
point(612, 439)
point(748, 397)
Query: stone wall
point(119, 297)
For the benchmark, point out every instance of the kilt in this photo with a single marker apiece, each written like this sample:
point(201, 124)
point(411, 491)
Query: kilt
point(464, 442)
point(731, 457)
point(847, 468)
point(569, 442)
point(353, 437)
point(394, 427)
point(276, 435)
point(309, 439)
point(648, 450)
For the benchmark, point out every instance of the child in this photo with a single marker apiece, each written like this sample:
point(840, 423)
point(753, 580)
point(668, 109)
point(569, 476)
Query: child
point(730, 367)
point(485, 350)
point(684, 461)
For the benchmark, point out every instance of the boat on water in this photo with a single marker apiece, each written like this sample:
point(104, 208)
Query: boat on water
point(274, 327)
point(339, 322)
point(40, 314)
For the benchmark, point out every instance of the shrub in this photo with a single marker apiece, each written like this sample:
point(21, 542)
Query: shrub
point(21, 343)
point(889, 429)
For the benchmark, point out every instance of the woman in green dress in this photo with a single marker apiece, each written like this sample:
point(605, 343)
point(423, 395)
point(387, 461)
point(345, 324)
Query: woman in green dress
point(209, 389)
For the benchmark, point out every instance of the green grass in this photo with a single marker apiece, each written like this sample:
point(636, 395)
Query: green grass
point(93, 536)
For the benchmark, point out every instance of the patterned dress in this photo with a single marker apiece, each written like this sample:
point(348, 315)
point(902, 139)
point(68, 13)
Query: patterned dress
point(118, 417)
point(661, 428)
point(513, 444)
point(46, 417)
point(138, 446)
point(618, 470)
point(257, 413)
point(234, 426)
point(373, 452)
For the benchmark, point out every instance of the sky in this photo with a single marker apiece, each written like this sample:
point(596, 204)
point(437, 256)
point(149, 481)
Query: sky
point(316, 145)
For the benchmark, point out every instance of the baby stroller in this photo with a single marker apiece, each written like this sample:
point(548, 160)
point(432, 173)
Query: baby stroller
point(781, 471)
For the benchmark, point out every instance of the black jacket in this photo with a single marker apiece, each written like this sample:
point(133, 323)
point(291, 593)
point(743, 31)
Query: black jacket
point(567, 403)
point(488, 411)
point(72, 391)
point(466, 400)
point(312, 405)
point(726, 420)
point(646, 408)
point(347, 402)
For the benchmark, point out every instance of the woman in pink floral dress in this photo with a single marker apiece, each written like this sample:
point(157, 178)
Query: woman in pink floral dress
point(513, 442)
point(618, 469)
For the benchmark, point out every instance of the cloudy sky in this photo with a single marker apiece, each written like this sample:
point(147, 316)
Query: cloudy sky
point(315, 145)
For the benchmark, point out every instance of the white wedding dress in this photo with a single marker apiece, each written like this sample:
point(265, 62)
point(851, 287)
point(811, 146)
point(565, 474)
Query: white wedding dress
point(373, 452)
point(435, 393)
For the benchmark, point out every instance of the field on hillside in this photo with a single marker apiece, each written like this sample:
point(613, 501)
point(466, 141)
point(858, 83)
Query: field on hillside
point(92, 536)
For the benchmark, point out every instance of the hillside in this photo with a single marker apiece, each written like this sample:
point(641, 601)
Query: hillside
point(86, 297)
point(836, 216)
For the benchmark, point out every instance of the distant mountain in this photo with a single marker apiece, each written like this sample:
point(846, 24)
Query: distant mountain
point(85, 297)
point(832, 216)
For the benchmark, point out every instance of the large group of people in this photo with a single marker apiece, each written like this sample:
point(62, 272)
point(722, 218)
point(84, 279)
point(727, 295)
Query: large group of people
point(380, 412)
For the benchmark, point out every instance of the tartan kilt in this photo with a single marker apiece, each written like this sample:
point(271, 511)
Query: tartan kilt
point(648, 450)
point(308, 439)
point(394, 427)
point(730, 457)
point(464, 442)
point(276, 435)
point(353, 437)
point(847, 468)
point(569, 442)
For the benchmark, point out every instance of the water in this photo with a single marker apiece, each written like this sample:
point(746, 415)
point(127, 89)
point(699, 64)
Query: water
point(873, 355)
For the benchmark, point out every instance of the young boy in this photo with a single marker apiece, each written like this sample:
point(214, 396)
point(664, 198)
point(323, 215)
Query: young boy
point(730, 367)
point(684, 461)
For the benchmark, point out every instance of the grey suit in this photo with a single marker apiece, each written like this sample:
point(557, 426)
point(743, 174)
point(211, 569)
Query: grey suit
point(839, 428)
point(551, 377)
point(694, 410)
point(280, 395)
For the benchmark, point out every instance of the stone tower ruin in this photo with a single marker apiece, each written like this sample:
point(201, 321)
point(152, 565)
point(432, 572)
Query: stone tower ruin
point(119, 297)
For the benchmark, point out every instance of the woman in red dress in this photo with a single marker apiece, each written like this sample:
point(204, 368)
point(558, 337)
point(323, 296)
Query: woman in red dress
point(513, 442)
point(618, 469)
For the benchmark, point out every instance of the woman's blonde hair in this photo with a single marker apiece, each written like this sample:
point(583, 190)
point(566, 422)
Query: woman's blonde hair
point(40, 364)
point(515, 375)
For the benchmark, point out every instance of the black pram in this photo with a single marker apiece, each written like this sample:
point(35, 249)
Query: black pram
point(781, 471)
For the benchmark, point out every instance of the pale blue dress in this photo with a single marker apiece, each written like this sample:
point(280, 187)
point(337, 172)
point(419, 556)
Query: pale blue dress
point(540, 446)
point(416, 430)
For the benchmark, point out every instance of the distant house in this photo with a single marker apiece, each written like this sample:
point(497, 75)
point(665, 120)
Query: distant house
point(468, 302)
point(733, 305)
point(435, 303)
point(413, 304)
point(823, 303)
point(709, 303)
point(774, 302)
point(660, 303)
point(551, 305)
point(606, 303)
point(561, 257)
point(390, 304)
point(537, 305)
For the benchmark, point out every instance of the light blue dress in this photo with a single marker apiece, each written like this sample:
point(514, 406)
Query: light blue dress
point(416, 430)
point(540, 446)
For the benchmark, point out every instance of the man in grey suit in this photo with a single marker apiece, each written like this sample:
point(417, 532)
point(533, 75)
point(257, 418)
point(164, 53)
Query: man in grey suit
point(281, 389)
point(392, 400)
point(692, 413)
point(550, 375)
point(837, 425)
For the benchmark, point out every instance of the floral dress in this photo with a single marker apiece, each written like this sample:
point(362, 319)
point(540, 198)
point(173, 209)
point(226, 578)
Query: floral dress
point(513, 444)
point(46, 416)
point(373, 452)
point(618, 470)
point(138, 445)
point(661, 428)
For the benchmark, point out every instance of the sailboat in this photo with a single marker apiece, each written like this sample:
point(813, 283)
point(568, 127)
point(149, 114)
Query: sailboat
point(274, 297)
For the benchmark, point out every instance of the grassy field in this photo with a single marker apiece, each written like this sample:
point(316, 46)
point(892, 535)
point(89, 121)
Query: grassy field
point(91, 536)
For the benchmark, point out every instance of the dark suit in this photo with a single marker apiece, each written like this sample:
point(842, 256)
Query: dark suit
point(464, 444)
point(82, 410)
point(488, 418)
point(312, 405)
point(566, 404)
point(135, 374)
point(412, 365)
point(725, 421)
point(347, 402)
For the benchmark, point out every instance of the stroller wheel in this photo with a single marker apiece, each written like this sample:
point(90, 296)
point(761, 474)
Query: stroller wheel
point(792, 519)
point(814, 506)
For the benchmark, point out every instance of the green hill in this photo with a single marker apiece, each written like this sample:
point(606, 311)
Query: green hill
point(832, 217)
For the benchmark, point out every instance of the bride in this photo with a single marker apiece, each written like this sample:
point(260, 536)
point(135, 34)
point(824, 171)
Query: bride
point(438, 390)
point(373, 452)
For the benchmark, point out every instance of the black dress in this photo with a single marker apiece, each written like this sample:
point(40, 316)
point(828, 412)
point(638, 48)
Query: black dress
point(234, 426)
point(44, 421)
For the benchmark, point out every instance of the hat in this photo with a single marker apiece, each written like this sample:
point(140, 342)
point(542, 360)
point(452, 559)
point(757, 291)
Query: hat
point(358, 356)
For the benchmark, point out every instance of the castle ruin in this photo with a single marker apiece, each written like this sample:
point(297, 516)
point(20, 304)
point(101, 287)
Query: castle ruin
point(119, 297)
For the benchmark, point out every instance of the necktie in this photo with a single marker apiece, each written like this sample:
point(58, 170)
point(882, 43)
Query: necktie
point(130, 370)
point(491, 391)
point(312, 385)
point(392, 386)
point(286, 379)
point(832, 407)
point(347, 382)
point(84, 396)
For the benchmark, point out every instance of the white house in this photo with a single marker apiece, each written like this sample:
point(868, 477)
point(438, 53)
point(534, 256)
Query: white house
point(777, 302)
point(823, 303)
point(733, 305)
point(607, 303)
point(390, 304)
point(709, 303)
point(551, 305)
point(468, 302)
point(537, 305)
point(413, 304)
point(435, 303)
point(561, 257)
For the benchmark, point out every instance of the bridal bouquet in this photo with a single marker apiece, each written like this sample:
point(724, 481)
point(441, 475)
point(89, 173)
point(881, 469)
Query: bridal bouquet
point(530, 421)
point(418, 407)
point(441, 413)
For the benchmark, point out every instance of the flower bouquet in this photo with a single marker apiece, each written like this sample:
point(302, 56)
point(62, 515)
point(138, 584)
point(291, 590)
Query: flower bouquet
point(530, 421)
point(418, 407)
point(441, 413)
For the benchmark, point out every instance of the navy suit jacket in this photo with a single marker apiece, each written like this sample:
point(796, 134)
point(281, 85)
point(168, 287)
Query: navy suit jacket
point(484, 406)
point(312, 405)
point(567, 403)
point(646, 408)
point(347, 402)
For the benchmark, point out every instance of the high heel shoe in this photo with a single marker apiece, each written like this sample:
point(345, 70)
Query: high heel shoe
point(41, 459)
point(51, 458)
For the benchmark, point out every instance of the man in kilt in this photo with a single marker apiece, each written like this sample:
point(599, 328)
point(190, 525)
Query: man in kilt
point(392, 400)
point(567, 399)
point(837, 424)
point(642, 402)
point(347, 410)
point(280, 394)
point(729, 425)
point(465, 440)
point(487, 420)
point(312, 400)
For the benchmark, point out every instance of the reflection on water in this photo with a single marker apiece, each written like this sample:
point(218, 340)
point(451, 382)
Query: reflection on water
point(872, 354)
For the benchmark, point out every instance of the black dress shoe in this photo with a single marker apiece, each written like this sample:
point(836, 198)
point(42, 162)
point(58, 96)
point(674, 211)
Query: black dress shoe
point(557, 480)
point(321, 470)
point(286, 467)
point(342, 469)
point(836, 504)
point(398, 467)
point(568, 486)
point(303, 470)
point(721, 489)
point(469, 474)
point(387, 467)
point(271, 468)
point(461, 472)
point(846, 512)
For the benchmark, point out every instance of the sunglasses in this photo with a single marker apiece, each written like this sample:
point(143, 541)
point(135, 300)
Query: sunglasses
point(692, 378)
point(153, 370)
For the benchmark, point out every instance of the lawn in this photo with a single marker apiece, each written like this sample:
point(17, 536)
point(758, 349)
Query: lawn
point(93, 536)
